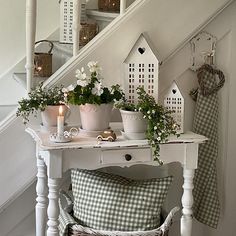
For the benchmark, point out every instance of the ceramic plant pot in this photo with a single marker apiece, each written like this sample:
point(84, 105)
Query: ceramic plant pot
point(133, 122)
point(50, 114)
point(95, 117)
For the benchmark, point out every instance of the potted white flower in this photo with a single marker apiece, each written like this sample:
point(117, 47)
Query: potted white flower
point(95, 101)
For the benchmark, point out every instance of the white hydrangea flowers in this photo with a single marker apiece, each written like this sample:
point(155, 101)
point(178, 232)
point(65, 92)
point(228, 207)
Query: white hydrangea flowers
point(94, 67)
point(98, 89)
point(83, 80)
point(89, 88)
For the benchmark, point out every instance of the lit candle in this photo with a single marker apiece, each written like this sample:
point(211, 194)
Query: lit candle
point(60, 122)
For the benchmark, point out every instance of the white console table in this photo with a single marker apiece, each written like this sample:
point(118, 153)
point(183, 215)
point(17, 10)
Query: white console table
point(55, 158)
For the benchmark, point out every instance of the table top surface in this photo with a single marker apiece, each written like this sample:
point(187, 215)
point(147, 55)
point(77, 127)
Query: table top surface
point(83, 141)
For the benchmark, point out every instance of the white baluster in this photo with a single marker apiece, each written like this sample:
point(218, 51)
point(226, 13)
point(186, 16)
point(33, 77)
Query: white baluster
point(187, 202)
point(53, 207)
point(76, 25)
point(31, 6)
point(41, 190)
point(122, 6)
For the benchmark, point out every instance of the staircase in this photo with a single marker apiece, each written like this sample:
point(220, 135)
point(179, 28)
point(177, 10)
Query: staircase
point(110, 47)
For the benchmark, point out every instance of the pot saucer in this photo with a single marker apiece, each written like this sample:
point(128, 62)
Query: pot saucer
point(135, 136)
point(88, 133)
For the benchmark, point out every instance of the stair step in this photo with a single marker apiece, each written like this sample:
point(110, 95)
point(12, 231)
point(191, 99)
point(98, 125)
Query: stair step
point(20, 77)
point(101, 16)
point(64, 48)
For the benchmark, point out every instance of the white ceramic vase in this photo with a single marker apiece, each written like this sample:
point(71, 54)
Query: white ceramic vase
point(134, 124)
point(95, 117)
point(50, 114)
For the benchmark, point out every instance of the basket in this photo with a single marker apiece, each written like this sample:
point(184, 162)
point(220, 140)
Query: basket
point(43, 61)
point(68, 225)
point(109, 5)
point(78, 230)
point(87, 32)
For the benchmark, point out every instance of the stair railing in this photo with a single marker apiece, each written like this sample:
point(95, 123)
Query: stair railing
point(122, 6)
point(31, 8)
point(76, 25)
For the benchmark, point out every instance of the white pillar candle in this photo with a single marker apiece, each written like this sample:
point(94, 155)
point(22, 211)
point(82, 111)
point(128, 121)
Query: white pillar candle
point(60, 123)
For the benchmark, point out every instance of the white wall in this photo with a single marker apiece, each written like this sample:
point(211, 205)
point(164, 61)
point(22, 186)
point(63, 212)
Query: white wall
point(12, 24)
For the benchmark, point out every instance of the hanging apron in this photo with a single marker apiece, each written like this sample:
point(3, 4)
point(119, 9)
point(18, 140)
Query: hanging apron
point(206, 208)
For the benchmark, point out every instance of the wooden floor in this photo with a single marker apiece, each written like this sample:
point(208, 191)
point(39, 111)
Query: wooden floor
point(25, 228)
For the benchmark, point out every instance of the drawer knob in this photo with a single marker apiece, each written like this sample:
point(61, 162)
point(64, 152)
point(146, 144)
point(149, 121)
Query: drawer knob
point(128, 157)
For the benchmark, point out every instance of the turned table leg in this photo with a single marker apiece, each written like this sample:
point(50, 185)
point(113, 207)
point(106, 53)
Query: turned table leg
point(187, 202)
point(41, 205)
point(53, 207)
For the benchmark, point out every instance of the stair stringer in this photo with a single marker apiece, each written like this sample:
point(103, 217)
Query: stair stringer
point(18, 161)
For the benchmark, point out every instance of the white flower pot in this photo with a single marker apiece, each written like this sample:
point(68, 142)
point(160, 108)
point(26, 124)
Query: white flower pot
point(95, 117)
point(133, 122)
point(50, 114)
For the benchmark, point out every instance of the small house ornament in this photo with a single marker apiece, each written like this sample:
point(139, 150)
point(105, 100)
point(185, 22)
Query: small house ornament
point(66, 19)
point(141, 69)
point(174, 101)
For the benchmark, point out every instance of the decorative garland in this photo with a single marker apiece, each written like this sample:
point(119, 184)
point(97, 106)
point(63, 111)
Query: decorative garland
point(200, 74)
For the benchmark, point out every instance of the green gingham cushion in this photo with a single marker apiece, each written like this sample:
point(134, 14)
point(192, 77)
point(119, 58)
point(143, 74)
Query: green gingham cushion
point(110, 202)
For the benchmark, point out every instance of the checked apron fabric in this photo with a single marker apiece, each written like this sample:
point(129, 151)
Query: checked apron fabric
point(206, 208)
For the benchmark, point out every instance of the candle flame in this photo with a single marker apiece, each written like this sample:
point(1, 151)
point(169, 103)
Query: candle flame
point(60, 111)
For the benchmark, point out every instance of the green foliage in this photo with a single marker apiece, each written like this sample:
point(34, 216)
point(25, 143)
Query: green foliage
point(89, 89)
point(160, 123)
point(38, 99)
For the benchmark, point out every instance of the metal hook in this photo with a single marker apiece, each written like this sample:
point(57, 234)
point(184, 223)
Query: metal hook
point(209, 57)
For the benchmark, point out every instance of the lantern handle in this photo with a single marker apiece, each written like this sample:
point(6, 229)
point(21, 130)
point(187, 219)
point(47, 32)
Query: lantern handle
point(47, 41)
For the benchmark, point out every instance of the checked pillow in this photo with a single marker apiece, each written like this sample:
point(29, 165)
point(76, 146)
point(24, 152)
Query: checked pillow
point(110, 202)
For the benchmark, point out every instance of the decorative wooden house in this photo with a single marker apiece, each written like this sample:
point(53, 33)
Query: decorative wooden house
point(141, 69)
point(66, 19)
point(174, 101)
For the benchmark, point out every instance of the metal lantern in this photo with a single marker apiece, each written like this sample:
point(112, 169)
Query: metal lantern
point(141, 69)
point(174, 101)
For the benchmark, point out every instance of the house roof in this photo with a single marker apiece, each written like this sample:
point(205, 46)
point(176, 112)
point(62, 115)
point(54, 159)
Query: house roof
point(170, 87)
point(150, 44)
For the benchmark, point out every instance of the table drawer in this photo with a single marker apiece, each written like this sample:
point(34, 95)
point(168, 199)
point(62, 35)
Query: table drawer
point(128, 155)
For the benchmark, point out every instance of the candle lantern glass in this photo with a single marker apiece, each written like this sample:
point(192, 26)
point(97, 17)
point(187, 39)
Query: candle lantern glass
point(87, 32)
point(109, 5)
point(43, 61)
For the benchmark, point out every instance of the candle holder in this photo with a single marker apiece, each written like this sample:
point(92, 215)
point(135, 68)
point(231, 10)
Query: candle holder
point(66, 137)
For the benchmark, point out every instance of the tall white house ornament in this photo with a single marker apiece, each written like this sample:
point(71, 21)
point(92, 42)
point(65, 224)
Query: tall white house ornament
point(174, 101)
point(66, 19)
point(141, 68)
